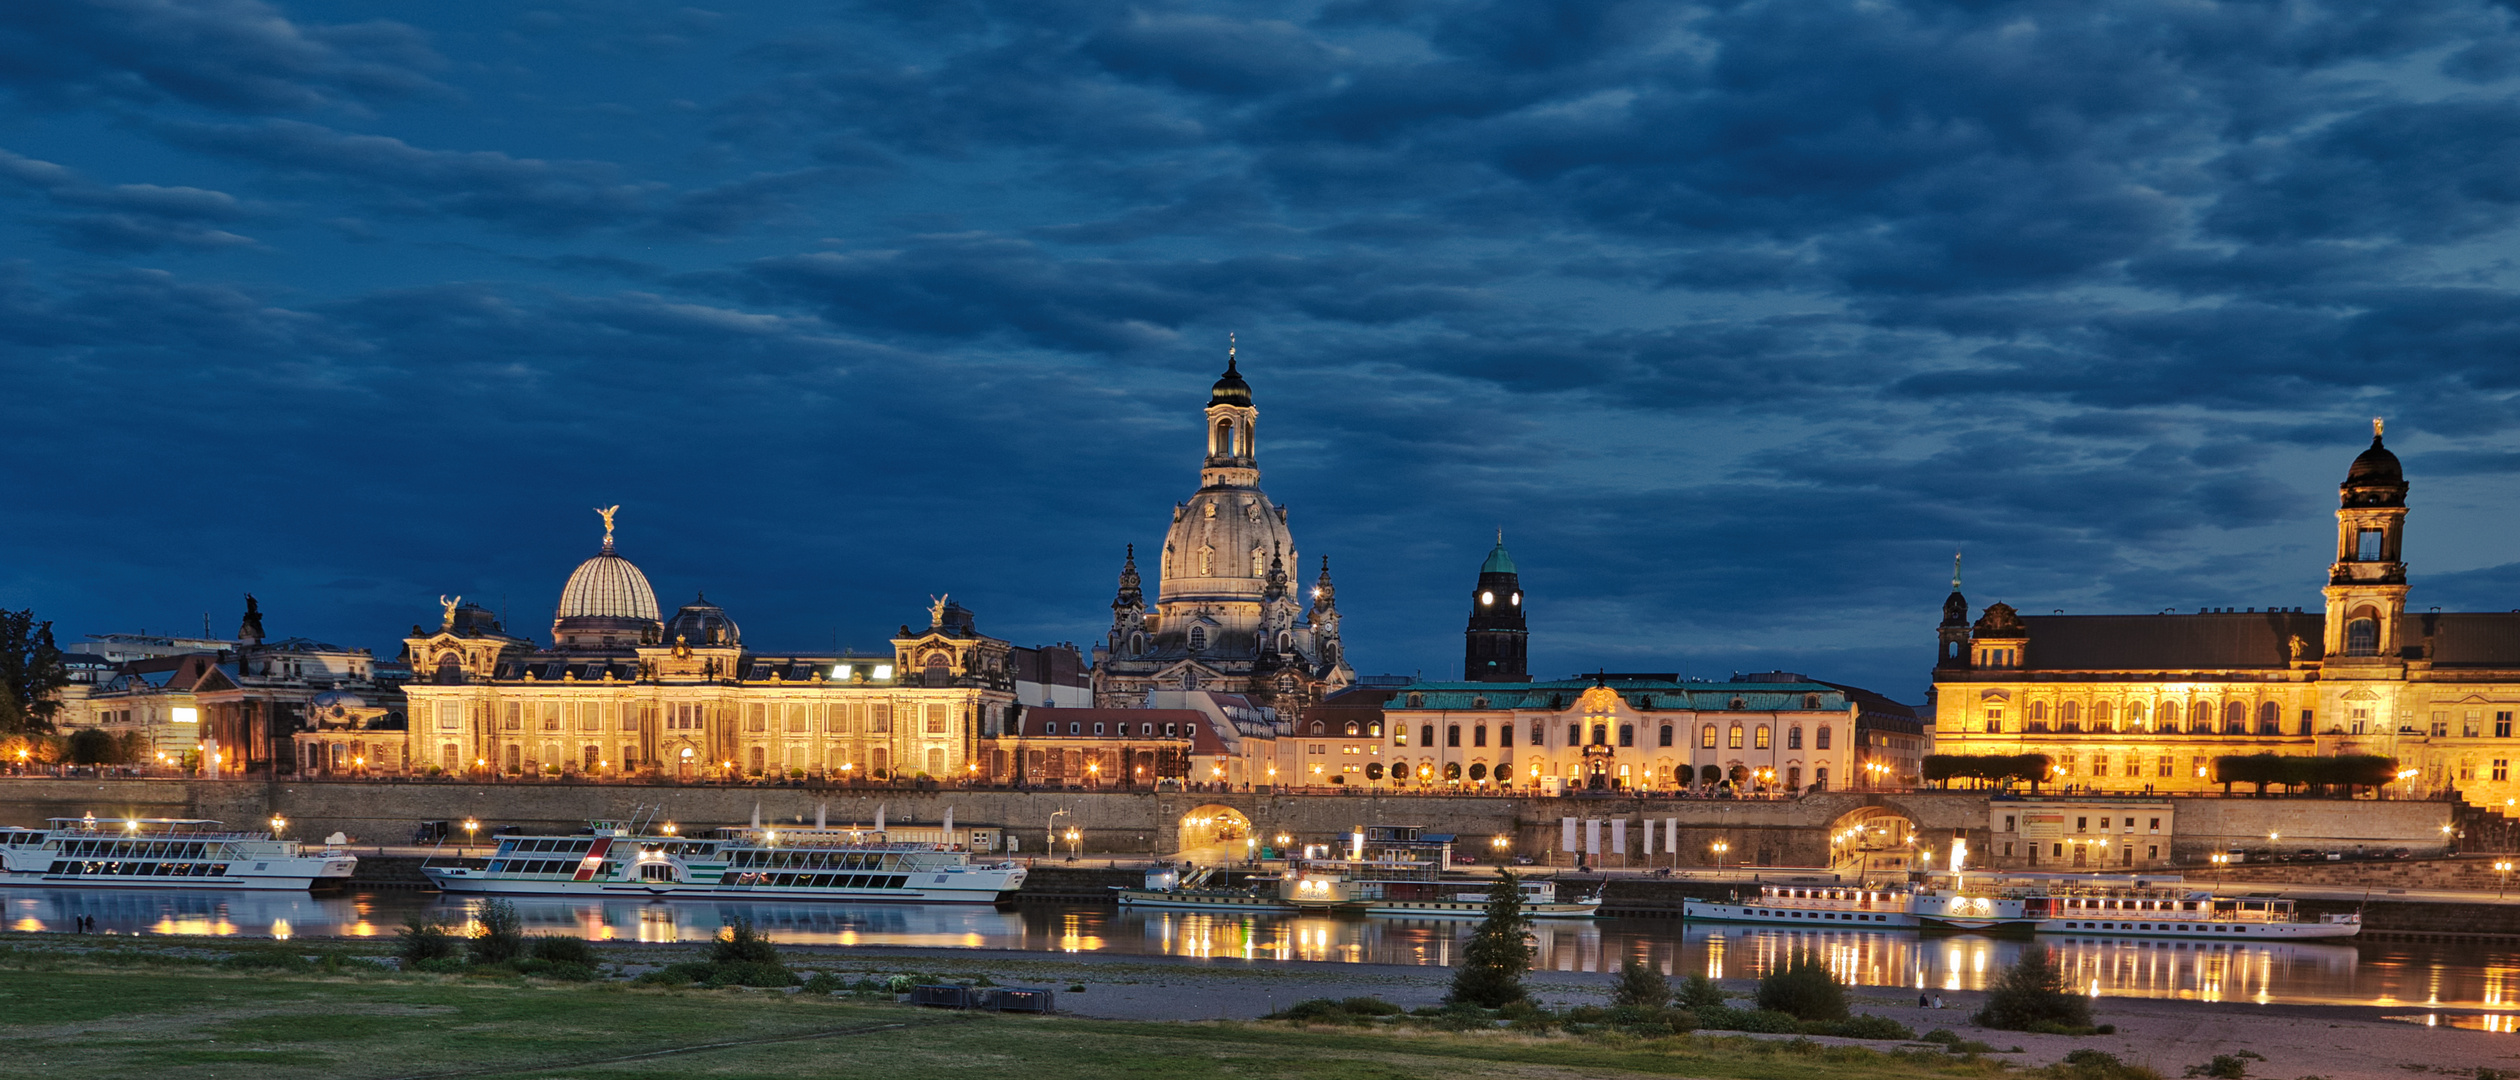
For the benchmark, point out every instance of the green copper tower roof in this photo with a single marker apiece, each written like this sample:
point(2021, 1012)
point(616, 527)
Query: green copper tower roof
point(1498, 561)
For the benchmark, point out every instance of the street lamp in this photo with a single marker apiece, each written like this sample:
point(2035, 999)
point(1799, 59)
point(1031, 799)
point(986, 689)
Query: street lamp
point(2503, 867)
point(1720, 848)
point(2220, 860)
point(471, 826)
point(1076, 841)
point(278, 823)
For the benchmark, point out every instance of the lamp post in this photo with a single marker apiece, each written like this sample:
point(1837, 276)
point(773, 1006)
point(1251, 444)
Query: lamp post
point(471, 826)
point(2502, 867)
point(2220, 860)
point(278, 824)
point(1504, 846)
point(1720, 847)
point(1076, 842)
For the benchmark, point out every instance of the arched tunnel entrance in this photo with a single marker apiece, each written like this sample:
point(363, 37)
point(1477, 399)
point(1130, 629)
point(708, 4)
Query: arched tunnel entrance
point(1874, 843)
point(1214, 835)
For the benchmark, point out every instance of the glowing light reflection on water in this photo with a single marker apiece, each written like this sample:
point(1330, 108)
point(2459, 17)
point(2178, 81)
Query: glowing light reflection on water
point(2386, 973)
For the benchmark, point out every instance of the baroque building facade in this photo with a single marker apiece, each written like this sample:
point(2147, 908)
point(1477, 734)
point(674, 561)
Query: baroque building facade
point(621, 691)
point(1227, 615)
point(2144, 703)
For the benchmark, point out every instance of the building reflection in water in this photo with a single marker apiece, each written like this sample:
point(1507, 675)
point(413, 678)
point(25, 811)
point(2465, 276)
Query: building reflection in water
point(2369, 972)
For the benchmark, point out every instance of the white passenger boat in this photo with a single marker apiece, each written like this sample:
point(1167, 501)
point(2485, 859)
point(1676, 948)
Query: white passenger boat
point(1386, 870)
point(1994, 903)
point(851, 865)
point(163, 853)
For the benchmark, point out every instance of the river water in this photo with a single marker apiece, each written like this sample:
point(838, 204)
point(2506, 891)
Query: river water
point(2363, 973)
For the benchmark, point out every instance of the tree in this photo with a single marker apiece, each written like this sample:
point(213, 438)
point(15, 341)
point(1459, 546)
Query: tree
point(502, 936)
point(1640, 986)
point(31, 675)
point(95, 746)
point(1492, 965)
point(2032, 992)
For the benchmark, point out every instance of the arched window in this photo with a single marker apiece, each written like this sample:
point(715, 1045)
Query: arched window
point(2362, 637)
point(1351, 727)
point(1426, 735)
point(1198, 638)
point(1820, 778)
point(2038, 710)
point(2135, 716)
point(2100, 717)
point(1418, 701)
point(1452, 735)
point(1250, 445)
point(1318, 727)
point(1478, 772)
point(1706, 737)
point(1822, 744)
point(1763, 738)
point(2200, 717)
point(1666, 735)
point(1793, 737)
point(1733, 740)
point(2236, 718)
point(1793, 778)
point(2270, 718)
point(1478, 703)
point(1539, 735)
point(1224, 444)
point(1738, 703)
point(1811, 701)
point(2069, 711)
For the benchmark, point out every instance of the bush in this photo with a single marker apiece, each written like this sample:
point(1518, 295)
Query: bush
point(1803, 989)
point(1640, 986)
point(1355, 1010)
point(2033, 992)
point(1369, 1006)
point(502, 936)
point(1760, 1021)
point(741, 944)
point(1700, 992)
point(2223, 1067)
point(563, 970)
point(2100, 1065)
point(422, 940)
point(267, 960)
point(749, 974)
point(565, 950)
point(824, 982)
point(1864, 1027)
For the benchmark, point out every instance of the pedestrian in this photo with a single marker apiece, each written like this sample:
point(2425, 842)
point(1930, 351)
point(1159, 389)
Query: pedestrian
point(1924, 1002)
point(1938, 1003)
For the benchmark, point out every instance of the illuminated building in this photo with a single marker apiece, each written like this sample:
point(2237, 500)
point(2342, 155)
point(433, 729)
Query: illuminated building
point(2145, 703)
point(1227, 614)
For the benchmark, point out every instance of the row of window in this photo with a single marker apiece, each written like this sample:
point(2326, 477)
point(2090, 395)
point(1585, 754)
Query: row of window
point(1641, 701)
point(1761, 735)
point(1121, 730)
point(843, 718)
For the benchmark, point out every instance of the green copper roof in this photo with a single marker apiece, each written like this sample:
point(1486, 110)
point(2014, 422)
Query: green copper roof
point(1498, 561)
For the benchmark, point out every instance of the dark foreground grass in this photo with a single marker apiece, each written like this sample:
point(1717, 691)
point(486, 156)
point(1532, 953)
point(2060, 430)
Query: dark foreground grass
point(72, 1018)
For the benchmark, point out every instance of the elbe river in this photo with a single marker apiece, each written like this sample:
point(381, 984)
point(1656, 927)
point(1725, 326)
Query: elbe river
point(2465, 975)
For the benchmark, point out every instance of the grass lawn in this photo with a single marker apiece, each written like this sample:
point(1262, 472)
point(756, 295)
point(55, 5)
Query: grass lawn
point(161, 1016)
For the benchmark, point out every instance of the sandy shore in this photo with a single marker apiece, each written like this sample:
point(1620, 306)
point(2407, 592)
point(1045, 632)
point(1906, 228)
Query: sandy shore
point(2334, 1042)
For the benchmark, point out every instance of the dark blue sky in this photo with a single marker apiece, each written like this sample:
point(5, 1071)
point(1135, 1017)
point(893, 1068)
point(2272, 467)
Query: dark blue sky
point(1740, 318)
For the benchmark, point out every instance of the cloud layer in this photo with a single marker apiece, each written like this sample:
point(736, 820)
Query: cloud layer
point(1740, 318)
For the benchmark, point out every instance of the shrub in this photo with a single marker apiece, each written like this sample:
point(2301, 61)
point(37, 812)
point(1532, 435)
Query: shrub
point(1369, 1006)
point(2223, 1067)
point(2032, 991)
point(267, 960)
point(1803, 989)
point(565, 950)
point(1640, 986)
point(1492, 965)
point(423, 939)
point(2100, 1065)
point(1761, 1021)
point(502, 936)
point(741, 944)
point(1356, 1010)
point(563, 970)
point(1864, 1027)
point(824, 982)
point(749, 974)
point(1700, 992)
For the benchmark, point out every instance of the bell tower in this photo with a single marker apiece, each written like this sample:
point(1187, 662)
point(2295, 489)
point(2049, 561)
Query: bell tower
point(2366, 590)
point(1953, 647)
point(1497, 646)
point(1233, 461)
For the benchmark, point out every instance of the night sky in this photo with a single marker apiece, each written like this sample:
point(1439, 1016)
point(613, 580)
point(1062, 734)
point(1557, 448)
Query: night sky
point(1739, 319)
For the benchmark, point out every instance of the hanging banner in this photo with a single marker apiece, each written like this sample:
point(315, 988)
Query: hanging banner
point(1592, 836)
point(1618, 837)
point(1649, 838)
point(1566, 842)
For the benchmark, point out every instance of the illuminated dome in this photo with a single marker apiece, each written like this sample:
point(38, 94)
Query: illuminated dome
point(608, 586)
point(607, 601)
point(703, 623)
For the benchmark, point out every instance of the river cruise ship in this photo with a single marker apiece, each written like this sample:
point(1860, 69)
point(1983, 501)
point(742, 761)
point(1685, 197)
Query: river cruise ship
point(163, 853)
point(845, 865)
point(1385, 870)
point(2105, 905)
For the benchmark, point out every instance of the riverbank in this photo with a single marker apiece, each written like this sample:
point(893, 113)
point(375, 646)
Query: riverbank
point(1149, 997)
